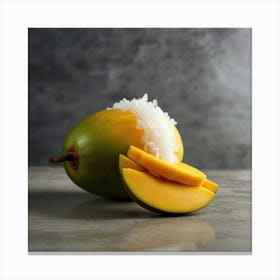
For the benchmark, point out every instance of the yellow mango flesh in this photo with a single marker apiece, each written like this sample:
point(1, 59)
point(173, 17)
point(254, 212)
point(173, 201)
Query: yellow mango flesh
point(125, 162)
point(160, 195)
point(210, 185)
point(179, 172)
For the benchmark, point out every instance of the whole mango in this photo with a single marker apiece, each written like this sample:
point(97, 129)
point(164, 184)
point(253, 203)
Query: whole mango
point(92, 148)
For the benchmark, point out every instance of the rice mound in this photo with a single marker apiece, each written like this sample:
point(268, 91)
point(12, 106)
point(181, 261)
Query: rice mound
point(159, 138)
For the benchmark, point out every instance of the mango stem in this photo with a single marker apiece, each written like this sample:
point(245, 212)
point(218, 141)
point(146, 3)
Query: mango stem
point(62, 159)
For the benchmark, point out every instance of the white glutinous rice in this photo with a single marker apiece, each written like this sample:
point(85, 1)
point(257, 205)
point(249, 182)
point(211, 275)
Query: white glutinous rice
point(159, 137)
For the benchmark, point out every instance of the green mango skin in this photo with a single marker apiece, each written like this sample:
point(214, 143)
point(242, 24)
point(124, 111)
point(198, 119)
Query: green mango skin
point(98, 140)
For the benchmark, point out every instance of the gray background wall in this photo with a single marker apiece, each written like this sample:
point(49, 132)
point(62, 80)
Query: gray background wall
point(202, 77)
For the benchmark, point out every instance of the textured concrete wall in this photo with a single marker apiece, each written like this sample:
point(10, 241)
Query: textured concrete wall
point(202, 77)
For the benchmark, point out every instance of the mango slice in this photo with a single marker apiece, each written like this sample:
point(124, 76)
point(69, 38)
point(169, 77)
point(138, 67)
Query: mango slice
point(163, 196)
point(125, 162)
point(179, 172)
point(210, 185)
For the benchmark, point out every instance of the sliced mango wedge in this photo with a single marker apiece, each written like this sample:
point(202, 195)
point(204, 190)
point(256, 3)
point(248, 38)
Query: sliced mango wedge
point(210, 185)
point(179, 172)
point(125, 162)
point(164, 196)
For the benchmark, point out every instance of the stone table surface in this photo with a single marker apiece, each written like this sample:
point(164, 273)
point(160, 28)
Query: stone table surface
point(64, 218)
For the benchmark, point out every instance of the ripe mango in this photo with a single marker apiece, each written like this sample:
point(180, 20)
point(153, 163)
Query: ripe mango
point(91, 151)
point(163, 196)
point(179, 172)
point(165, 188)
point(125, 162)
